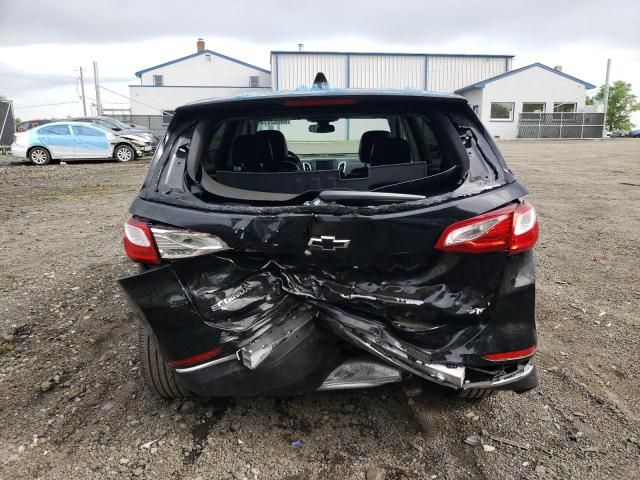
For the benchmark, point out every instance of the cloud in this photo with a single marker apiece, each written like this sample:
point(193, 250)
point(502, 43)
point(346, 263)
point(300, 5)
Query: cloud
point(402, 22)
point(15, 80)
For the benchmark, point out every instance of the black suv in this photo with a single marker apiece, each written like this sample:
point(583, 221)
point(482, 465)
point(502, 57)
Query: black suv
point(330, 239)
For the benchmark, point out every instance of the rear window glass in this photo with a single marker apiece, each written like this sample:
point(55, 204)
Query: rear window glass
point(349, 145)
point(293, 155)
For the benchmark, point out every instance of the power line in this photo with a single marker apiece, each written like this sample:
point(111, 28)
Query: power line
point(131, 99)
point(46, 104)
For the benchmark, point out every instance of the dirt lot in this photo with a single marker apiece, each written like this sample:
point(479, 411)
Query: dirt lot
point(73, 406)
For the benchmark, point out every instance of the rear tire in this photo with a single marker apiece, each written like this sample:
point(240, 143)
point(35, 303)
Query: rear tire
point(475, 393)
point(39, 156)
point(124, 153)
point(157, 375)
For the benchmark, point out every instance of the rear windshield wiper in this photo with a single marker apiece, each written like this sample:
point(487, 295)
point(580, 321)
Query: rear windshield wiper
point(354, 197)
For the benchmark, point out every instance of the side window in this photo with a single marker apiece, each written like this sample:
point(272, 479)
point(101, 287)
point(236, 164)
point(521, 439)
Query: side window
point(211, 161)
point(55, 130)
point(86, 131)
point(564, 107)
point(167, 115)
point(502, 111)
point(436, 161)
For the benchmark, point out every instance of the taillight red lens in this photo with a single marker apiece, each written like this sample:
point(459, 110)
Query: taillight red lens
point(513, 228)
point(138, 242)
point(525, 229)
point(514, 355)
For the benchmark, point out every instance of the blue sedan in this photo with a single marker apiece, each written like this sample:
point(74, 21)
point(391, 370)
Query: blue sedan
point(76, 140)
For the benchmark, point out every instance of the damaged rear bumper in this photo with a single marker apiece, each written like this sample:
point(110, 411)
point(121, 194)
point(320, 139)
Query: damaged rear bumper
point(390, 358)
point(380, 342)
point(285, 329)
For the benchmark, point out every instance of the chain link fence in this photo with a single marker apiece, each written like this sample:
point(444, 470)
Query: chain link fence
point(561, 125)
point(7, 126)
point(156, 123)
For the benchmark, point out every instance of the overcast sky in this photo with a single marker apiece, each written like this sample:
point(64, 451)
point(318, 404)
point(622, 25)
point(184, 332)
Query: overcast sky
point(42, 48)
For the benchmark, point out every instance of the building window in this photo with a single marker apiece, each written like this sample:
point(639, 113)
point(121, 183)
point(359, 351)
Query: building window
point(254, 81)
point(533, 107)
point(502, 111)
point(565, 107)
point(167, 115)
point(158, 80)
point(207, 57)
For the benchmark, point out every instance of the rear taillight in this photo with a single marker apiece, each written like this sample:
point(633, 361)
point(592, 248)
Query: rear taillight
point(148, 244)
point(175, 243)
point(138, 242)
point(513, 228)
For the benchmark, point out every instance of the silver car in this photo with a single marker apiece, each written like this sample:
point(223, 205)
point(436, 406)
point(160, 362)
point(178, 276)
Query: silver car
point(77, 140)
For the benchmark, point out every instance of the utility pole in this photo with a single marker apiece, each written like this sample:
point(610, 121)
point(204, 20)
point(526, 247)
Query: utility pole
point(606, 92)
point(96, 80)
point(84, 100)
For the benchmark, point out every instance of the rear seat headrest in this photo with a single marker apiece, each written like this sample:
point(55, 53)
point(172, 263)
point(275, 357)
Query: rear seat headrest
point(278, 144)
point(366, 143)
point(389, 151)
point(252, 153)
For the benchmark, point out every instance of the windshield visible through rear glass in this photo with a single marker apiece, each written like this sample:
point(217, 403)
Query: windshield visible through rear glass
point(345, 137)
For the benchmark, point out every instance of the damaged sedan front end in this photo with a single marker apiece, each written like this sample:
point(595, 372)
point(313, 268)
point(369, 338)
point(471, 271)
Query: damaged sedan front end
point(386, 239)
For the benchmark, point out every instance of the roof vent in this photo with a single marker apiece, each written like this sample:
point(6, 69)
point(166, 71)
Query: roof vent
point(320, 81)
point(558, 68)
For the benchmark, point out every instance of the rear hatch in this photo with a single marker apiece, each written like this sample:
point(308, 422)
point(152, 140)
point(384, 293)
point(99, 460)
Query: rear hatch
point(336, 218)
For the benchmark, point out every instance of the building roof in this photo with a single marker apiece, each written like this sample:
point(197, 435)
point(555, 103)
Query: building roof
point(388, 54)
point(210, 52)
point(481, 84)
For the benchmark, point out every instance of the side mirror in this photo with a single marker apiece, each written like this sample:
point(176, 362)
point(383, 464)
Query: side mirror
point(116, 129)
point(131, 125)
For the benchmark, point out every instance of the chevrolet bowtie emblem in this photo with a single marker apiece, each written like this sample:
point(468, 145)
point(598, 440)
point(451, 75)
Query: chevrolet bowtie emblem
point(327, 243)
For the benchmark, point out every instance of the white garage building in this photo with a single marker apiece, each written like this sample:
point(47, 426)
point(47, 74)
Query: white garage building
point(512, 103)
point(437, 72)
point(203, 74)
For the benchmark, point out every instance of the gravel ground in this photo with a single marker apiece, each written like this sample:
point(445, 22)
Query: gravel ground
point(73, 406)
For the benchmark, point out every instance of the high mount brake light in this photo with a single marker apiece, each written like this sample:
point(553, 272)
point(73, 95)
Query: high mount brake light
point(147, 244)
point(513, 228)
point(317, 102)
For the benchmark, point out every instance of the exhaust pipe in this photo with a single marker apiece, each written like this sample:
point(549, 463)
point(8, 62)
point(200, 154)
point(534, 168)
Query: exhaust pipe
point(361, 372)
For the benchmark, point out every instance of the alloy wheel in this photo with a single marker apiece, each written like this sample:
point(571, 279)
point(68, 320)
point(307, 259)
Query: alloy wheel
point(39, 156)
point(124, 154)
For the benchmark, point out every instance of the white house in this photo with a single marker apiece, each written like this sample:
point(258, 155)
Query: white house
point(438, 72)
point(532, 90)
point(201, 75)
